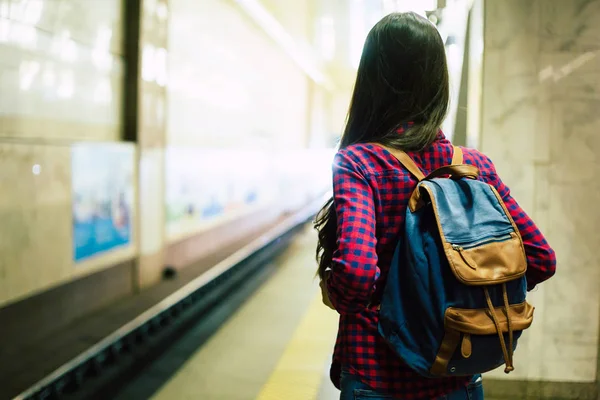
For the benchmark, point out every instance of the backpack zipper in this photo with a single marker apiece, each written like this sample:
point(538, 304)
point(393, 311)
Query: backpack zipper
point(466, 258)
point(480, 242)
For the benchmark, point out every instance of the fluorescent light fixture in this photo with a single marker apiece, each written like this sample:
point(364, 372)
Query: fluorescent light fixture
point(277, 32)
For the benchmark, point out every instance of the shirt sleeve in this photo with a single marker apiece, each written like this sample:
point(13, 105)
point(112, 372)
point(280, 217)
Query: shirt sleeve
point(541, 259)
point(354, 268)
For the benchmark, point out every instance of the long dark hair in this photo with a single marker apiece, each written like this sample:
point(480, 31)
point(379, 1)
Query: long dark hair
point(402, 81)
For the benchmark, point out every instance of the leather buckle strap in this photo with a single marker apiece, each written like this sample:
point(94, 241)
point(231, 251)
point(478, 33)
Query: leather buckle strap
point(456, 172)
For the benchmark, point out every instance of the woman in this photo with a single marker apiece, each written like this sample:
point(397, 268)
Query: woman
point(400, 101)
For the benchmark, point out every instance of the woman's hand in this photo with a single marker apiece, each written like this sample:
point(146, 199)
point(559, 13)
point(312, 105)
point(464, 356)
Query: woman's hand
point(324, 294)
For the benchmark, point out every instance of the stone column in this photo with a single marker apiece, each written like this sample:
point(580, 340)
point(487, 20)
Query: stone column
point(151, 132)
point(540, 121)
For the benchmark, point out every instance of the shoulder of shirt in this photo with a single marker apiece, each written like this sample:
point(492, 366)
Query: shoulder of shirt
point(370, 159)
point(481, 161)
point(362, 157)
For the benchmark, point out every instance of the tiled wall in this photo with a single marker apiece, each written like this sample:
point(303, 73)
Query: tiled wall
point(540, 123)
point(61, 70)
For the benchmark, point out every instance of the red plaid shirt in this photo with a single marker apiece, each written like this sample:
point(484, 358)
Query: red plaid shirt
point(371, 193)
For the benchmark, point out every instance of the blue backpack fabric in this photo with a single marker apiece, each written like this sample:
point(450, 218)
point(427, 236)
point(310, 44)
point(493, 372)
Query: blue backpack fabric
point(454, 302)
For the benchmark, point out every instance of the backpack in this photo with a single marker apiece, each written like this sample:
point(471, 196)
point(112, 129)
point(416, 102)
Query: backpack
point(454, 301)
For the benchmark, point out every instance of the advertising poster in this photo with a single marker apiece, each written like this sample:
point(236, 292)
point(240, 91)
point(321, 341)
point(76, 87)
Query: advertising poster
point(103, 198)
point(205, 186)
point(194, 193)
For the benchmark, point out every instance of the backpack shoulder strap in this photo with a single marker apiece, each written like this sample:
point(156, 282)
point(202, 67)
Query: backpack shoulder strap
point(457, 156)
point(406, 161)
point(409, 164)
point(457, 168)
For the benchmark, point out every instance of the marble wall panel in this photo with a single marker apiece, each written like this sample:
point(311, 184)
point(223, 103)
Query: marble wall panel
point(37, 221)
point(541, 85)
point(35, 218)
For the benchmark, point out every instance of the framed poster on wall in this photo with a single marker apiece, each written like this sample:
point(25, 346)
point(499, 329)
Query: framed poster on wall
point(102, 197)
point(207, 187)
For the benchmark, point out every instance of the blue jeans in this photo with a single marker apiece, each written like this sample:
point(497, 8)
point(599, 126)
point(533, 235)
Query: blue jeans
point(353, 389)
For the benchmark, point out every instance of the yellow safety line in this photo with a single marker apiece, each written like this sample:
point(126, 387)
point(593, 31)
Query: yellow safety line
point(299, 372)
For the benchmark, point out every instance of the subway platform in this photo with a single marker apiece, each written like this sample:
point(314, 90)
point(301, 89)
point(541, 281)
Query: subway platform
point(250, 326)
point(161, 162)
